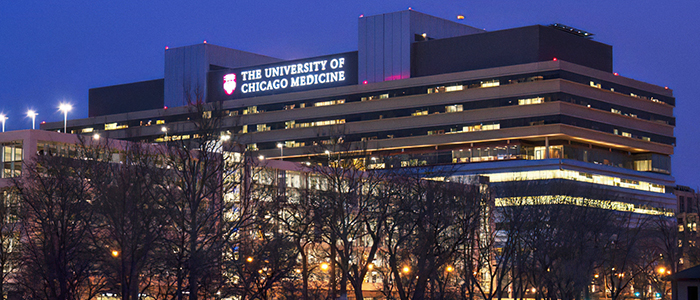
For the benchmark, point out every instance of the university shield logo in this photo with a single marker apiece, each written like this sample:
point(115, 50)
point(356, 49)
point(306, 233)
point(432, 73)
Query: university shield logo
point(229, 83)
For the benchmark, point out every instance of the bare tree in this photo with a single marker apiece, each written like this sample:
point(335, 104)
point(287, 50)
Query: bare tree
point(351, 206)
point(128, 202)
point(429, 224)
point(57, 227)
point(10, 246)
point(626, 254)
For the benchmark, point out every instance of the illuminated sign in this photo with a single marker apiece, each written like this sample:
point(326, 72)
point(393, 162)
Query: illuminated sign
point(290, 76)
point(293, 75)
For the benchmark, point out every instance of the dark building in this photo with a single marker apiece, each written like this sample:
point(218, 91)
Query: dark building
point(532, 104)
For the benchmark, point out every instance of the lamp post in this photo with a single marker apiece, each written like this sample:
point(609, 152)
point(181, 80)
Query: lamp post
point(165, 130)
point(3, 118)
point(32, 114)
point(65, 108)
point(281, 146)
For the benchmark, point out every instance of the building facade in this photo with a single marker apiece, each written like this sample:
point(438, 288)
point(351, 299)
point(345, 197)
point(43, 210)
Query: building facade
point(522, 105)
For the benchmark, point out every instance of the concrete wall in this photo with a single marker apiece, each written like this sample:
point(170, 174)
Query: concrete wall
point(186, 69)
point(384, 42)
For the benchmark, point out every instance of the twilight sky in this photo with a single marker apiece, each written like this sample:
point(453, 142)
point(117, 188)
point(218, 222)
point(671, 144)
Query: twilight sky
point(53, 51)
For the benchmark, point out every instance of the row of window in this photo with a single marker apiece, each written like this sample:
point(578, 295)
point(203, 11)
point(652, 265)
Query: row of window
point(576, 176)
point(510, 123)
point(458, 86)
point(581, 201)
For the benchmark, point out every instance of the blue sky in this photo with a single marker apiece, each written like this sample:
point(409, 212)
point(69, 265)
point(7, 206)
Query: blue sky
point(53, 51)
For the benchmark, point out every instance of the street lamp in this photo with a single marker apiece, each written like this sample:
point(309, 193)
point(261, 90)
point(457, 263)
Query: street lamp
point(165, 130)
point(3, 118)
point(281, 146)
point(65, 108)
point(32, 114)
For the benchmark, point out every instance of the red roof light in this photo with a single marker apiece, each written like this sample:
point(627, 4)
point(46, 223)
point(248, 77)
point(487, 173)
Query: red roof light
point(554, 59)
point(364, 82)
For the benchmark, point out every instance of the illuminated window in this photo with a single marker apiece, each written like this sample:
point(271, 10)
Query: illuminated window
point(293, 124)
point(250, 110)
point(490, 83)
point(454, 88)
point(332, 102)
point(263, 127)
point(115, 126)
point(594, 84)
point(576, 176)
point(420, 112)
point(580, 201)
point(87, 130)
point(12, 156)
point(528, 101)
point(375, 97)
point(293, 144)
point(481, 127)
point(159, 122)
point(454, 108)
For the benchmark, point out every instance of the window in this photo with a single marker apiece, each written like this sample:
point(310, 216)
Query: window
point(332, 102)
point(528, 101)
point(12, 155)
point(454, 108)
point(422, 112)
point(490, 83)
point(263, 127)
point(115, 126)
point(454, 88)
point(250, 110)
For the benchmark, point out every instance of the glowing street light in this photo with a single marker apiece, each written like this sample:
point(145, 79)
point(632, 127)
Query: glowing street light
point(324, 266)
point(32, 114)
point(115, 253)
point(449, 269)
point(3, 118)
point(165, 130)
point(65, 108)
point(406, 270)
point(281, 146)
point(661, 270)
